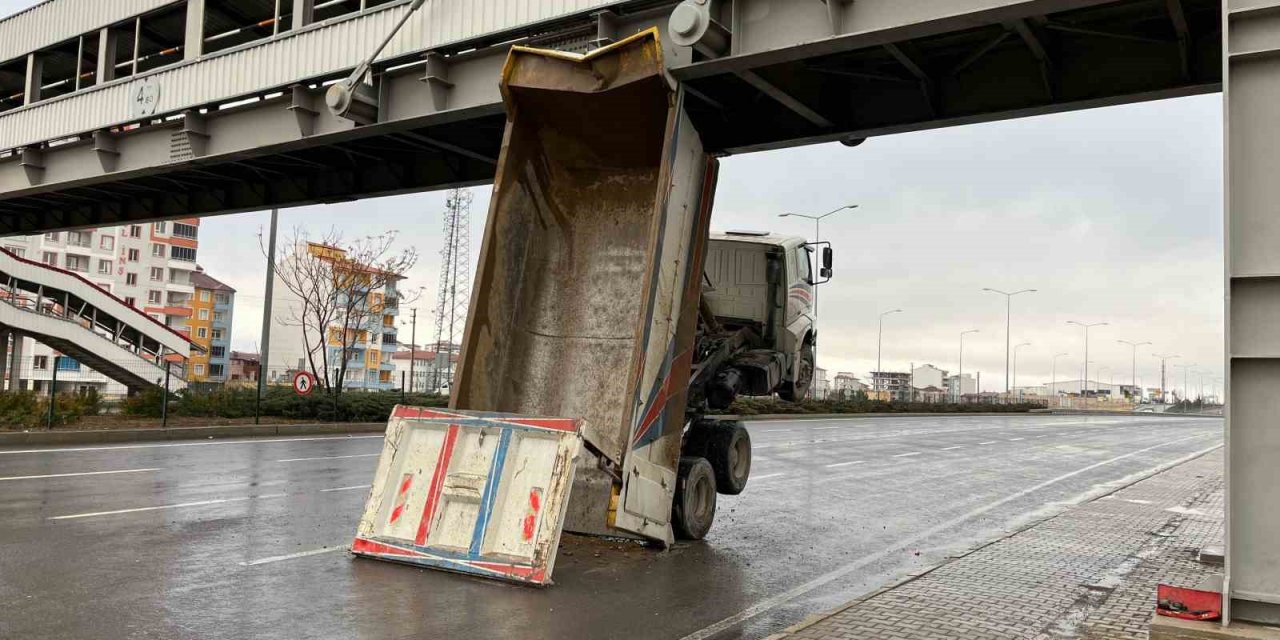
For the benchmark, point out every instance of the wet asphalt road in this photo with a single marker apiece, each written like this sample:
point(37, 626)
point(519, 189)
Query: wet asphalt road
point(242, 539)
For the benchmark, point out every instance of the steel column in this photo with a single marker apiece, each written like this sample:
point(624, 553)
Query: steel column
point(1251, 82)
point(193, 44)
point(35, 78)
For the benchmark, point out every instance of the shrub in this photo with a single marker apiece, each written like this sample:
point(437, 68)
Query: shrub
point(30, 410)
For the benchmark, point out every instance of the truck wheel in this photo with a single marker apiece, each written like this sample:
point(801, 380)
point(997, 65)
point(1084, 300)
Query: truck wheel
point(729, 452)
point(797, 390)
point(695, 502)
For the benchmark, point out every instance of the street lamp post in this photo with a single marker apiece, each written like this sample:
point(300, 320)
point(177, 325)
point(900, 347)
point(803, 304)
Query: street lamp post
point(1133, 371)
point(1054, 366)
point(817, 237)
point(1185, 369)
point(1164, 390)
point(960, 376)
point(1084, 383)
point(1008, 314)
point(879, 374)
point(1015, 362)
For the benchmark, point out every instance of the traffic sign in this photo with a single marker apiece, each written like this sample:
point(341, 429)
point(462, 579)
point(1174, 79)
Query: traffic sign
point(304, 383)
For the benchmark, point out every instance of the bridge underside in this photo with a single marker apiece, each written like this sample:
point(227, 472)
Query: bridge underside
point(443, 128)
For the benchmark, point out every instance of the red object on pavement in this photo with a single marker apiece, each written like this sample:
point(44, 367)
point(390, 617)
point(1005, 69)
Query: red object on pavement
point(1188, 604)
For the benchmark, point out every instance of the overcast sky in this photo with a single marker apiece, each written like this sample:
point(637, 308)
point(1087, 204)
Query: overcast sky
point(1114, 215)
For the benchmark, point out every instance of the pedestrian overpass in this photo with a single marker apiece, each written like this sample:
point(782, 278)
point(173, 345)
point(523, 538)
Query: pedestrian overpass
point(147, 109)
point(68, 313)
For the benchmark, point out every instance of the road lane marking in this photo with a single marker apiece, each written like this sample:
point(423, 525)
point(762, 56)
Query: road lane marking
point(1016, 439)
point(197, 503)
point(904, 455)
point(82, 473)
point(959, 446)
point(844, 464)
point(826, 428)
point(988, 442)
point(857, 565)
point(202, 443)
point(770, 475)
point(350, 488)
point(291, 556)
point(358, 455)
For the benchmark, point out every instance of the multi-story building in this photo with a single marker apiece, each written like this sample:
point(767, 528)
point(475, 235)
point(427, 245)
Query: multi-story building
point(959, 386)
point(369, 346)
point(212, 306)
point(928, 375)
point(430, 373)
point(243, 368)
point(148, 266)
point(846, 385)
point(890, 385)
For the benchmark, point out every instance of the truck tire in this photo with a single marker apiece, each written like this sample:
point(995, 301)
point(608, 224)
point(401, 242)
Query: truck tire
point(796, 390)
point(694, 508)
point(728, 449)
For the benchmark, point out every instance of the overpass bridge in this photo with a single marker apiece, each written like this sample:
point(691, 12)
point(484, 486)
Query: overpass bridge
point(147, 109)
point(67, 312)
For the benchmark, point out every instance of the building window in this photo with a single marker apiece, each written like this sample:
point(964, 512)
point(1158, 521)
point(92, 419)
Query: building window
point(219, 316)
point(157, 250)
point(40, 363)
point(135, 231)
point(160, 227)
point(217, 334)
point(50, 258)
point(204, 296)
point(17, 251)
point(202, 332)
point(188, 231)
point(107, 242)
point(67, 364)
point(215, 370)
point(222, 298)
point(77, 263)
point(157, 274)
point(217, 352)
point(131, 279)
point(182, 253)
point(80, 238)
point(105, 286)
point(153, 297)
point(104, 266)
point(131, 302)
point(199, 369)
point(204, 314)
point(133, 255)
point(51, 237)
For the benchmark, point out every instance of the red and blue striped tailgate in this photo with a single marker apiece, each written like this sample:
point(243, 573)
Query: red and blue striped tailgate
point(474, 492)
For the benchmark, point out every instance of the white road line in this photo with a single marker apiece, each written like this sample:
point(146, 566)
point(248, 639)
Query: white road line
point(766, 476)
point(1043, 436)
point(825, 579)
point(988, 442)
point(291, 556)
point(826, 428)
point(904, 455)
point(82, 473)
point(1016, 439)
point(959, 446)
point(202, 443)
point(350, 488)
point(358, 455)
point(844, 464)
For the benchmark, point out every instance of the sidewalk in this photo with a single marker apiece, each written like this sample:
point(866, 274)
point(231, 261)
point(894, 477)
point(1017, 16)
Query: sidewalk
point(1090, 572)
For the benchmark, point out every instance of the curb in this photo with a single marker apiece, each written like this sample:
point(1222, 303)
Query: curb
point(764, 417)
point(95, 436)
point(920, 573)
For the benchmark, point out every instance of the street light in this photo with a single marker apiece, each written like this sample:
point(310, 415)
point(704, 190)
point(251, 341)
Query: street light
point(960, 376)
point(1185, 369)
point(1133, 372)
point(879, 336)
point(1015, 362)
point(1164, 399)
point(1008, 312)
point(817, 237)
point(1055, 372)
point(1084, 383)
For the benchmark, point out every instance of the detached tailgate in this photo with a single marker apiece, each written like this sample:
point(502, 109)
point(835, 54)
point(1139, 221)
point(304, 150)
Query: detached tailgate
point(472, 492)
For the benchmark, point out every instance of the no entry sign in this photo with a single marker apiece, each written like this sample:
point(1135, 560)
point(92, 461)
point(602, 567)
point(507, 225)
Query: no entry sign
point(304, 383)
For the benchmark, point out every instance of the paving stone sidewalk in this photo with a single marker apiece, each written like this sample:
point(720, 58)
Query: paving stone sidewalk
point(1090, 572)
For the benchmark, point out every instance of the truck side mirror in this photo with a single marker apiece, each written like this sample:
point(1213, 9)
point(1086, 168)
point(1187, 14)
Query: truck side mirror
point(827, 255)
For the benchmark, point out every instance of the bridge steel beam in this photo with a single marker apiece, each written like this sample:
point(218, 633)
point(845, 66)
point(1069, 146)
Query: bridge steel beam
point(1252, 250)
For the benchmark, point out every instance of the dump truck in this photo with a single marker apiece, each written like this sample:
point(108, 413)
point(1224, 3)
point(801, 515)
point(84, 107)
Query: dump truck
point(605, 320)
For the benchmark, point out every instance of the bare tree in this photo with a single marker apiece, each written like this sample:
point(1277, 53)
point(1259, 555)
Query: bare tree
point(341, 291)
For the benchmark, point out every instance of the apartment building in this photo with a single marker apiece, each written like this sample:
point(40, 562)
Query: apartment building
point(148, 266)
point(212, 306)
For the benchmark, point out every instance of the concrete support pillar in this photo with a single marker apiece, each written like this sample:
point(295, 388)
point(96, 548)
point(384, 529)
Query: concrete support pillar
point(35, 77)
point(4, 357)
point(304, 12)
point(193, 43)
point(1252, 235)
point(16, 383)
point(106, 55)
